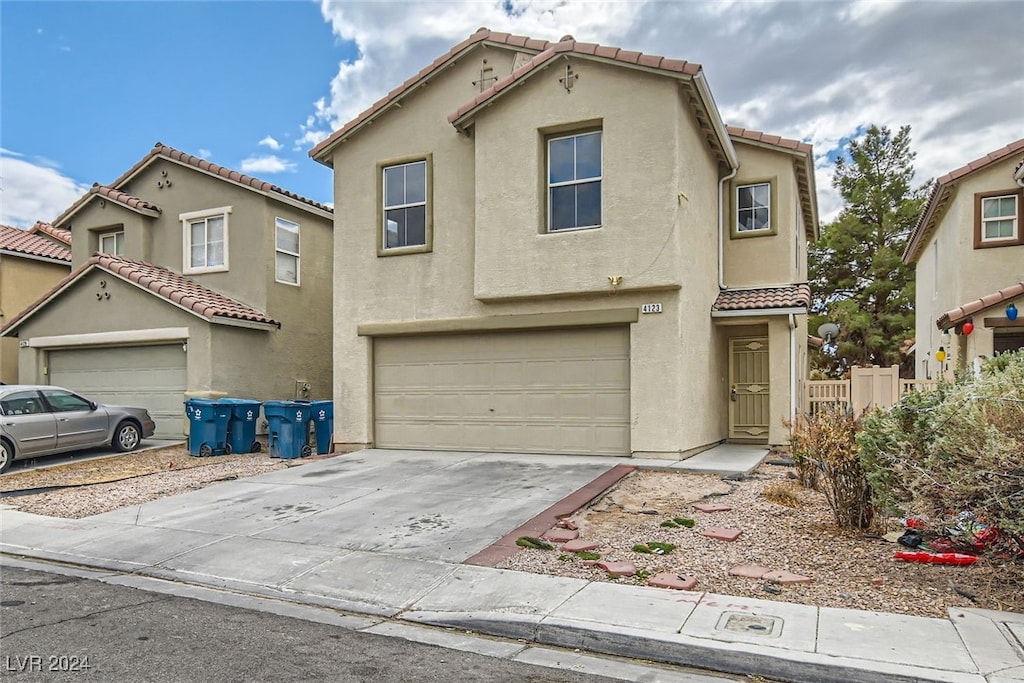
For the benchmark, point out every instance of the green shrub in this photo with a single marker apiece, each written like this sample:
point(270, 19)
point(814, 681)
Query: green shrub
point(959, 449)
point(826, 444)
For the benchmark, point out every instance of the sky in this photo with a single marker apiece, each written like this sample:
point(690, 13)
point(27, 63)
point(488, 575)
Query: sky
point(88, 87)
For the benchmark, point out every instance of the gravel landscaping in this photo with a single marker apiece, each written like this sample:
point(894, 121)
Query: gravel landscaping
point(847, 570)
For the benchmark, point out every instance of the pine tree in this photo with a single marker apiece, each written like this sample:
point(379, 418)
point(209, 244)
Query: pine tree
point(858, 278)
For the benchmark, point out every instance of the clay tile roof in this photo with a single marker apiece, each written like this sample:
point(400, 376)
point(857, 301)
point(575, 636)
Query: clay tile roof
point(941, 195)
point(162, 282)
point(570, 46)
point(765, 138)
point(125, 199)
point(482, 35)
point(17, 241)
point(789, 296)
point(58, 234)
point(961, 313)
point(162, 150)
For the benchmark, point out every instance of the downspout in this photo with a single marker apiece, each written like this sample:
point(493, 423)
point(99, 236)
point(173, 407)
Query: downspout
point(721, 227)
point(792, 367)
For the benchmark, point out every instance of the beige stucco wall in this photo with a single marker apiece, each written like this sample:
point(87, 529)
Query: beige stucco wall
point(763, 260)
point(951, 272)
point(22, 281)
point(301, 349)
point(487, 190)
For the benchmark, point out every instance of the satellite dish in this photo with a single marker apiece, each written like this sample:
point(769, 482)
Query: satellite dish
point(828, 332)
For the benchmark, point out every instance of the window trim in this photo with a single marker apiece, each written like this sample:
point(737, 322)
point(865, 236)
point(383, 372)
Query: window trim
point(296, 254)
point(428, 228)
point(773, 202)
point(186, 239)
point(562, 133)
point(980, 242)
point(110, 233)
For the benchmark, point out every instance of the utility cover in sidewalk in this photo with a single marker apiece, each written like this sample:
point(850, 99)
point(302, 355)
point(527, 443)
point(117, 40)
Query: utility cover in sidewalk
point(751, 624)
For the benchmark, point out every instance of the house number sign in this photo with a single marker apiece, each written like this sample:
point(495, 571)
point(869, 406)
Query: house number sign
point(650, 308)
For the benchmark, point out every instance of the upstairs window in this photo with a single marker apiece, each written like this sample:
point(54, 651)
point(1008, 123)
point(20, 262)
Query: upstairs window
point(112, 243)
point(754, 208)
point(206, 240)
point(997, 219)
point(406, 213)
point(574, 182)
point(286, 251)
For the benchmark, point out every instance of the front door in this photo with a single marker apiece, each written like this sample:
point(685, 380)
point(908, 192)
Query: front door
point(748, 389)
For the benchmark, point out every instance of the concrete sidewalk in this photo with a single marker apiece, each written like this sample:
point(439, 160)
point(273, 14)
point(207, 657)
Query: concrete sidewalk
point(384, 534)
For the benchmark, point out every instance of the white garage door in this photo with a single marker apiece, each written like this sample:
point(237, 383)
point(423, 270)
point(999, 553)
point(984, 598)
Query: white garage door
point(149, 376)
point(564, 391)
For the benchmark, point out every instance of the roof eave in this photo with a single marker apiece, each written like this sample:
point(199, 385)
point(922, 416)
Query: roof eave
point(36, 257)
point(242, 322)
point(736, 313)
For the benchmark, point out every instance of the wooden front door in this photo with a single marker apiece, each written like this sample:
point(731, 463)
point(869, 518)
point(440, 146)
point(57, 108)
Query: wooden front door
point(748, 389)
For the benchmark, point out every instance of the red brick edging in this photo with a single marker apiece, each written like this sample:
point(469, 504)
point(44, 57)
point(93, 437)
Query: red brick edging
point(506, 546)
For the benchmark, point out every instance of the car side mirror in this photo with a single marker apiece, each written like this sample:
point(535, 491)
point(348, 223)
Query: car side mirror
point(93, 405)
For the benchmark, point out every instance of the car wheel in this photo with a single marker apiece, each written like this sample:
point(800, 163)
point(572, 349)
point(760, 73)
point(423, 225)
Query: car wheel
point(6, 456)
point(126, 437)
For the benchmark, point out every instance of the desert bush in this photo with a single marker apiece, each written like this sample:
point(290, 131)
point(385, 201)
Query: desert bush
point(826, 442)
point(959, 449)
point(783, 492)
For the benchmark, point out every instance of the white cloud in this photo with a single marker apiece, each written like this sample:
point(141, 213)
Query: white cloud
point(267, 164)
point(271, 143)
point(310, 139)
point(33, 191)
point(205, 153)
point(813, 71)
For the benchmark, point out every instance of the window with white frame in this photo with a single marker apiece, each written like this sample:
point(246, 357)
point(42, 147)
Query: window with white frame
point(405, 205)
point(112, 243)
point(754, 208)
point(286, 251)
point(206, 240)
point(574, 181)
point(999, 218)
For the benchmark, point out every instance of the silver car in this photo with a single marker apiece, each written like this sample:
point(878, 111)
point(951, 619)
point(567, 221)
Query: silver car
point(42, 420)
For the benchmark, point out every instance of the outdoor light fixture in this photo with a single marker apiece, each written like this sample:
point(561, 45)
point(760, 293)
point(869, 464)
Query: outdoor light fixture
point(1011, 312)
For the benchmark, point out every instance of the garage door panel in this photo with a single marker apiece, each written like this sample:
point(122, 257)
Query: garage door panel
point(153, 377)
point(564, 391)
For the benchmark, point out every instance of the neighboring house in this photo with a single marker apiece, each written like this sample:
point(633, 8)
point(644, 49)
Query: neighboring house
point(30, 264)
point(188, 277)
point(968, 247)
point(561, 248)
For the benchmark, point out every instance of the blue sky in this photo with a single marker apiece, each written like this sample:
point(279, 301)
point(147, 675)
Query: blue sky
point(87, 88)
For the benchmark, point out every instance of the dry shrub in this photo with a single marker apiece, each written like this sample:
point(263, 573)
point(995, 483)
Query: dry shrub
point(783, 492)
point(826, 444)
point(955, 455)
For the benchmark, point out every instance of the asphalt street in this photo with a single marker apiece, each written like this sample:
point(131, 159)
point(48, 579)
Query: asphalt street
point(57, 627)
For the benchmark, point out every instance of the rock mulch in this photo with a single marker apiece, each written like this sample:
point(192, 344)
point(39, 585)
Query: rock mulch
point(788, 554)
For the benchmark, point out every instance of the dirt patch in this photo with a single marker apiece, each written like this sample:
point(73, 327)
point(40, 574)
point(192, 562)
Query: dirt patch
point(848, 570)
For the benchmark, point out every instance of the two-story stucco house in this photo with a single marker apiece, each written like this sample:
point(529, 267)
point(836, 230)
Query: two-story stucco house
point(561, 248)
point(968, 246)
point(31, 262)
point(188, 277)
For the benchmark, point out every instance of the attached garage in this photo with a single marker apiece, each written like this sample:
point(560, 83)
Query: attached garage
point(150, 376)
point(552, 391)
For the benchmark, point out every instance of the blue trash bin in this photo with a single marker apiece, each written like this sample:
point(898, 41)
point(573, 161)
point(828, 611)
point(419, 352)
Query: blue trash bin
point(245, 414)
point(208, 427)
point(322, 414)
point(287, 435)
